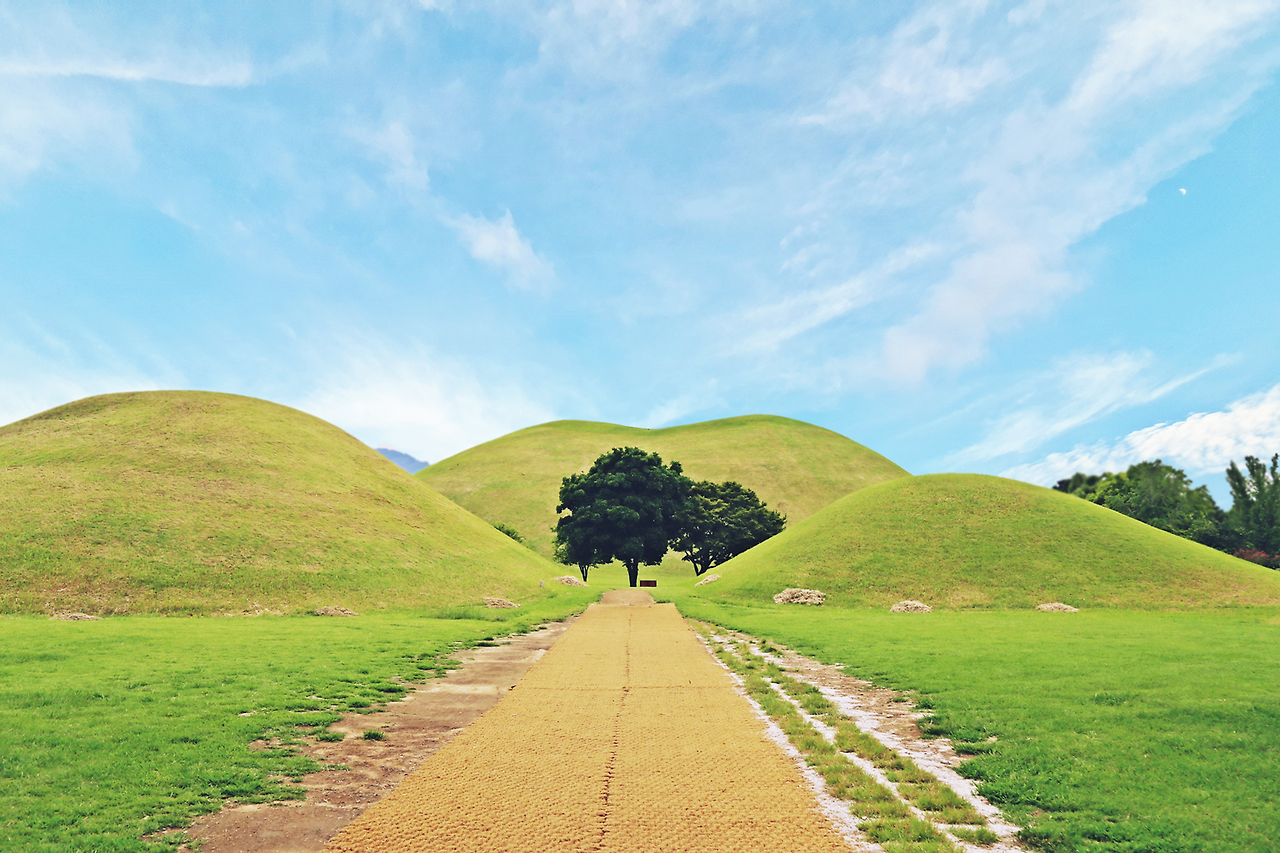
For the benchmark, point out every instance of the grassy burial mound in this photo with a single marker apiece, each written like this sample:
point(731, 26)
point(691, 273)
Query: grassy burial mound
point(968, 540)
point(795, 467)
point(199, 502)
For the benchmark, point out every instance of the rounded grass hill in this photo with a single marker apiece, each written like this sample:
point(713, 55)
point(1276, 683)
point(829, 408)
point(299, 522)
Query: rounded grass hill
point(194, 502)
point(974, 541)
point(795, 467)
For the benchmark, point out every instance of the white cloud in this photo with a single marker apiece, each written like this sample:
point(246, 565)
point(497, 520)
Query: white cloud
point(42, 370)
point(41, 125)
point(919, 70)
point(1005, 137)
point(395, 146)
point(498, 244)
point(682, 405)
point(610, 40)
point(1077, 391)
point(767, 326)
point(415, 400)
point(191, 72)
point(1164, 45)
point(1201, 443)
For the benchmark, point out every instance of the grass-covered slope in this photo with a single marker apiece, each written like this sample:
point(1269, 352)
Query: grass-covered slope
point(199, 502)
point(967, 540)
point(795, 467)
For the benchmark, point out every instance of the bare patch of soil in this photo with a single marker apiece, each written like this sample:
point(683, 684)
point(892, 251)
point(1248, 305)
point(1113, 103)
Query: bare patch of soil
point(415, 727)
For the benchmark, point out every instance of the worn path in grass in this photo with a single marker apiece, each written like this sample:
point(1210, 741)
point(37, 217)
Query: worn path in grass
point(414, 728)
point(625, 736)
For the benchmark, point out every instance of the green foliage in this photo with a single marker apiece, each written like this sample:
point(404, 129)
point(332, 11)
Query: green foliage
point(1082, 485)
point(719, 521)
point(1255, 510)
point(509, 531)
point(973, 541)
point(1161, 496)
point(625, 508)
point(1185, 763)
point(374, 734)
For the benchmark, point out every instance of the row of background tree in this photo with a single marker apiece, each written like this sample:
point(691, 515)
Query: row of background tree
point(632, 508)
point(1162, 496)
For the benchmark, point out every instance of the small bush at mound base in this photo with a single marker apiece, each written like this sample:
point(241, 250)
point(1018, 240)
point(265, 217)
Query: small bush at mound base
point(800, 596)
point(1057, 607)
point(910, 606)
point(499, 602)
point(708, 579)
point(570, 580)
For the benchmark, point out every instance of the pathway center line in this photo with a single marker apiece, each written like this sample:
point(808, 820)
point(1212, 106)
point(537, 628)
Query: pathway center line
point(626, 736)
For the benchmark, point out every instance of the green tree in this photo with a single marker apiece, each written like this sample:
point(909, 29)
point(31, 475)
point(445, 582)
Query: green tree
point(1082, 485)
point(721, 520)
point(1255, 509)
point(624, 508)
point(1162, 496)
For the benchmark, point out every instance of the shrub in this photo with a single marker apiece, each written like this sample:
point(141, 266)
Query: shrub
point(1262, 558)
point(509, 530)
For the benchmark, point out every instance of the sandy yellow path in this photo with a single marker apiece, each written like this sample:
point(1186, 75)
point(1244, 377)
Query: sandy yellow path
point(626, 736)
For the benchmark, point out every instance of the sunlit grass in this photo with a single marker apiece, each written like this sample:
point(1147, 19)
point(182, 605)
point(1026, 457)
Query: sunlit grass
point(1114, 730)
point(118, 728)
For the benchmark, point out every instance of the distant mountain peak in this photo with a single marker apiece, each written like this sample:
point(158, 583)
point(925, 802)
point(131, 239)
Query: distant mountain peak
point(404, 460)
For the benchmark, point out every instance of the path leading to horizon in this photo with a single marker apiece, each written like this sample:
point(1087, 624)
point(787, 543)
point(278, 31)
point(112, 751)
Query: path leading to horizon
point(626, 736)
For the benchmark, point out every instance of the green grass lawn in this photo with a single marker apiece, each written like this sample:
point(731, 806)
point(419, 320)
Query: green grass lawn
point(110, 730)
point(188, 502)
point(1141, 732)
point(972, 541)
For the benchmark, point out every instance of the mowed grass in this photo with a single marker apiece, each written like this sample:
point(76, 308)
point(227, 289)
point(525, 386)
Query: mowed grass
point(795, 467)
point(1133, 731)
point(973, 541)
point(193, 502)
point(114, 729)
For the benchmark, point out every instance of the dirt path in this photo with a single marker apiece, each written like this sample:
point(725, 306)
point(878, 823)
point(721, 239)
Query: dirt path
point(416, 727)
point(625, 736)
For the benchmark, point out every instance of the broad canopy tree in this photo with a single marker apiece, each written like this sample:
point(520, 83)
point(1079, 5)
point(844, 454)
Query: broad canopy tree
point(624, 508)
point(721, 520)
point(631, 508)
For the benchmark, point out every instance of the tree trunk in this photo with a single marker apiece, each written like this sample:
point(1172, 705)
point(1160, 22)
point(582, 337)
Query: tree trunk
point(633, 571)
point(584, 570)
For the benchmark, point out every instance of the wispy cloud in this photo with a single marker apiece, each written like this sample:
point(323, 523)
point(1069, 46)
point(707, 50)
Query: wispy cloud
point(683, 405)
point(765, 327)
point(1077, 391)
point(43, 369)
point(1202, 443)
point(40, 125)
point(1047, 182)
point(195, 72)
point(924, 66)
point(414, 399)
point(497, 243)
point(394, 145)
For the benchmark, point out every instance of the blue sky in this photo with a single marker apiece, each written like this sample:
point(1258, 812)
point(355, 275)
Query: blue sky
point(1022, 238)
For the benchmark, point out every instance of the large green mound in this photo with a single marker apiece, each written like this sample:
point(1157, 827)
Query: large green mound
point(200, 502)
point(795, 467)
point(967, 540)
